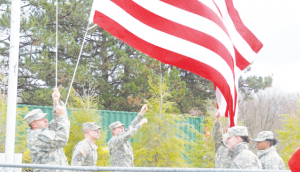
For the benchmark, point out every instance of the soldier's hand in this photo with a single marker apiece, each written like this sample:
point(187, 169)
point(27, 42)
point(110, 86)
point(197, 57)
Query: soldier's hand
point(60, 110)
point(143, 110)
point(56, 95)
point(217, 115)
point(143, 121)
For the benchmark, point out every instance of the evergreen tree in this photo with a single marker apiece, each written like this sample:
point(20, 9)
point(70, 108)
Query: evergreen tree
point(202, 152)
point(161, 142)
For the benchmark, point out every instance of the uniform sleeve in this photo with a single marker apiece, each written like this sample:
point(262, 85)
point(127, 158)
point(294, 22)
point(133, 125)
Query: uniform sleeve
point(78, 157)
point(53, 123)
point(49, 140)
point(116, 142)
point(281, 165)
point(217, 135)
point(135, 121)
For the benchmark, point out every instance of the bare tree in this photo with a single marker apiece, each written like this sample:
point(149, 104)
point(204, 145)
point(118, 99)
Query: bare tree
point(264, 110)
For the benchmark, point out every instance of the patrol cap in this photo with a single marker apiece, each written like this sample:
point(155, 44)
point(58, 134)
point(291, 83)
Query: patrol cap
point(115, 125)
point(264, 135)
point(90, 126)
point(237, 131)
point(33, 115)
point(225, 137)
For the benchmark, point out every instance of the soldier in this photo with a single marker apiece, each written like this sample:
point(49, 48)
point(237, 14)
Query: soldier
point(85, 152)
point(119, 145)
point(241, 157)
point(222, 159)
point(267, 153)
point(46, 145)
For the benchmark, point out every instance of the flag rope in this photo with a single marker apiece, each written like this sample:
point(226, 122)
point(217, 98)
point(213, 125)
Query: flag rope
point(56, 44)
point(78, 61)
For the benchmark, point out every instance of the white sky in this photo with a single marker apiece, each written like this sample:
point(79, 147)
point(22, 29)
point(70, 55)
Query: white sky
point(276, 23)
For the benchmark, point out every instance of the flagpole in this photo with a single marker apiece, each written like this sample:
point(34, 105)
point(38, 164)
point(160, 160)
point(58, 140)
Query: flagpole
point(12, 82)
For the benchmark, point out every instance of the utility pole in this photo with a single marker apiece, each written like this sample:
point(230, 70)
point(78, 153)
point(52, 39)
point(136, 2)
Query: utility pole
point(12, 81)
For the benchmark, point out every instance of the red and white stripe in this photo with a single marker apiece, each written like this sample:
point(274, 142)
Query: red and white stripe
point(190, 34)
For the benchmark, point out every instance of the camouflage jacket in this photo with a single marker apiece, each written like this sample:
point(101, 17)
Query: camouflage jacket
point(85, 154)
point(270, 159)
point(120, 148)
point(222, 159)
point(46, 145)
point(242, 158)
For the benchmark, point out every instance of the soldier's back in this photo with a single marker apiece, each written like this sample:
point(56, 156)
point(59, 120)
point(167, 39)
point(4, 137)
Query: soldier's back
point(222, 157)
point(121, 152)
point(42, 151)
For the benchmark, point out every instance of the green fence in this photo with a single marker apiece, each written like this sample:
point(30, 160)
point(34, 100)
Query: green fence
point(109, 117)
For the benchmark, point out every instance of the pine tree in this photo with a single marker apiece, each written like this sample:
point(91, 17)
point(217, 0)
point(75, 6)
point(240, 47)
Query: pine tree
point(202, 152)
point(161, 142)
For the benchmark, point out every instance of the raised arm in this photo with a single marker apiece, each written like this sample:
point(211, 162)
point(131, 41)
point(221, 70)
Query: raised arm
point(49, 140)
point(139, 116)
point(216, 132)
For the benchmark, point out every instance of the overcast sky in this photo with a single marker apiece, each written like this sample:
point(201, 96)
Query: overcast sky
point(277, 25)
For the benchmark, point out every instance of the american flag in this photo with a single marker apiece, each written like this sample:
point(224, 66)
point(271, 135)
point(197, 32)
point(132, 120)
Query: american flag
point(206, 37)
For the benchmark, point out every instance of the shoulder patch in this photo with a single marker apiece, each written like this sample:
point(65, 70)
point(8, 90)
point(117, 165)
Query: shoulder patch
point(79, 157)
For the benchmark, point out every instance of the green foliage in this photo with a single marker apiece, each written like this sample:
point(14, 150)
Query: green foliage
point(84, 109)
point(26, 157)
point(289, 135)
point(161, 142)
point(21, 127)
point(202, 152)
point(253, 84)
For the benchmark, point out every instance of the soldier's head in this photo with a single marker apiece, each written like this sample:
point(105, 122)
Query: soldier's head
point(91, 130)
point(264, 140)
point(116, 128)
point(236, 135)
point(36, 119)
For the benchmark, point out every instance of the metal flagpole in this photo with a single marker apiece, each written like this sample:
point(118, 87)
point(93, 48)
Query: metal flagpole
point(12, 82)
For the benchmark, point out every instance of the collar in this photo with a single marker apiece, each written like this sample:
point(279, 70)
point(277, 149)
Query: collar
point(93, 146)
point(239, 148)
point(261, 153)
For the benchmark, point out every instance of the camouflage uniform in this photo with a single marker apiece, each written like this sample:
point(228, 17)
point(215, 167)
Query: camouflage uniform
point(120, 147)
point(46, 145)
point(85, 152)
point(241, 157)
point(222, 159)
point(269, 157)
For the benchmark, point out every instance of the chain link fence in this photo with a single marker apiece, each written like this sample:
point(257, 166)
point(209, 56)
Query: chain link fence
point(59, 168)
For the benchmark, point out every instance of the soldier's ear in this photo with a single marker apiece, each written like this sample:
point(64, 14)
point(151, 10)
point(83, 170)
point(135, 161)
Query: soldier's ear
point(33, 125)
point(87, 132)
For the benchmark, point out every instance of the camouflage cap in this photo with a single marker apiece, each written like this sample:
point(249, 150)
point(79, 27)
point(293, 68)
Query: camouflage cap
point(115, 125)
point(90, 126)
point(264, 135)
point(224, 137)
point(33, 115)
point(237, 131)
